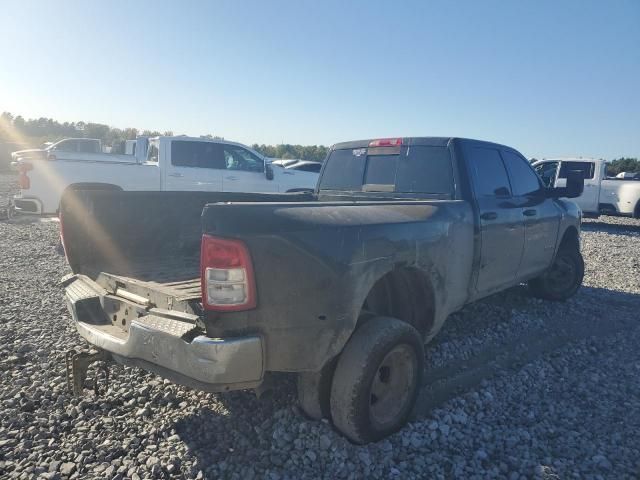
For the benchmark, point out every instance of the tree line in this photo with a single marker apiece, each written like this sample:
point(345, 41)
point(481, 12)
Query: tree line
point(33, 132)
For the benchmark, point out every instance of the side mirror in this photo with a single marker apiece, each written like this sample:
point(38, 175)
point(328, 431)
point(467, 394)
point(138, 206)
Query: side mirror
point(574, 188)
point(268, 171)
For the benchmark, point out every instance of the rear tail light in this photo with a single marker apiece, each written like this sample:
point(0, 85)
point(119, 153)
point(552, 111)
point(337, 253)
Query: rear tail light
point(23, 180)
point(386, 142)
point(227, 275)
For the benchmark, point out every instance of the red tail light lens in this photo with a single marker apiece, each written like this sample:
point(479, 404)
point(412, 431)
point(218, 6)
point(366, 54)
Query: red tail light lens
point(23, 181)
point(226, 275)
point(386, 142)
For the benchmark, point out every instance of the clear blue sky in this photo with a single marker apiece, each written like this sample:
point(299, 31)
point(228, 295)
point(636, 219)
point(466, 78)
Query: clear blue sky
point(547, 77)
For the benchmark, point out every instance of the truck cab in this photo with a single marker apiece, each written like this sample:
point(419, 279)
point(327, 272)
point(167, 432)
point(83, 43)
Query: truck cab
point(194, 164)
point(601, 195)
point(553, 172)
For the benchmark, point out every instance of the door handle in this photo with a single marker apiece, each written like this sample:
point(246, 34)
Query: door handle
point(530, 212)
point(176, 175)
point(489, 216)
point(231, 178)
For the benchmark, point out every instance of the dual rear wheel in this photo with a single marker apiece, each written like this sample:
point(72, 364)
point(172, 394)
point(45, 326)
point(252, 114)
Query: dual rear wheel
point(370, 390)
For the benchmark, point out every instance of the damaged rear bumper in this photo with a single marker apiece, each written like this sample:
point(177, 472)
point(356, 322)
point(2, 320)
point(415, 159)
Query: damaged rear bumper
point(163, 342)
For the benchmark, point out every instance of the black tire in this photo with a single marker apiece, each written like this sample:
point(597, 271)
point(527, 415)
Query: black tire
point(563, 279)
point(359, 411)
point(314, 391)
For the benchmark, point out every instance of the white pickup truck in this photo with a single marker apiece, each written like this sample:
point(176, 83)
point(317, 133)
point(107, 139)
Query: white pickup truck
point(161, 163)
point(601, 195)
point(66, 149)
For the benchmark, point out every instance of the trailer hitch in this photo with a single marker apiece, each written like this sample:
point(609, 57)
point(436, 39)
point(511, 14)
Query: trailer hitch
point(77, 365)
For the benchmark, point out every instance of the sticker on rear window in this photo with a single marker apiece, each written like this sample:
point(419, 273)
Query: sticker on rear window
point(357, 152)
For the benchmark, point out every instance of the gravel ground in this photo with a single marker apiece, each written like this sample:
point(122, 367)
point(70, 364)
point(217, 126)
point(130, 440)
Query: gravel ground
point(517, 388)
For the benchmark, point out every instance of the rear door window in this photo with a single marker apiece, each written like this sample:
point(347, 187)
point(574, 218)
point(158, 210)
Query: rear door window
point(88, 146)
point(524, 180)
point(490, 175)
point(67, 146)
point(587, 169)
point(197, 154)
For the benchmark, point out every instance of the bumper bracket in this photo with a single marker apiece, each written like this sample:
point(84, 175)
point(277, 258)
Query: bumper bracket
point(77, 366)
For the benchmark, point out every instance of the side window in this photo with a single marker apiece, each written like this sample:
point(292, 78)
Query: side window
point(524, 181)
point(238, 158)
point(88, 146)
point(490, 175)
point(195, 154)
point(152, 153)
point(67, 146)
point(587, 169)
point(310, 167)
point(547, 172)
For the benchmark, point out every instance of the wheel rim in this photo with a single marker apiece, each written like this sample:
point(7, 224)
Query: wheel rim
point(393, 385)
point(562, 275)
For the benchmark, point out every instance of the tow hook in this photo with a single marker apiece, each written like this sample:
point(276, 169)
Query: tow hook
point(77, 365)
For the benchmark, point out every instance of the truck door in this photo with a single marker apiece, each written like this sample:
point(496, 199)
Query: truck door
point(194, 166)
point(245, 171)
point(590, 198)
point(501, 223)
point(540, 214)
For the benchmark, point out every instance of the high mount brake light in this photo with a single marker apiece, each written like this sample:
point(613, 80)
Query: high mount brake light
point(386, 142)
point(227, 277)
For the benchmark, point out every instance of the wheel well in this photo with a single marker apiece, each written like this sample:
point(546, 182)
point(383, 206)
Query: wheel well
point(636, 211)
point(403, 293)
point(570, 238)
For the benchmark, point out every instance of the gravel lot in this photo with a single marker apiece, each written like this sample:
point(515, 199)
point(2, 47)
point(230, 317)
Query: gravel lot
point(517, 388)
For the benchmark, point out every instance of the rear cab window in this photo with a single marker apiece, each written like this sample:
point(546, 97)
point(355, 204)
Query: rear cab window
point(586, 168)
point(408, 169)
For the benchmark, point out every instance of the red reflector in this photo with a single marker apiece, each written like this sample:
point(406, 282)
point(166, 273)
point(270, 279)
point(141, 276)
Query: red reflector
point(23, 181)
point(386, 142)
point(227, 277)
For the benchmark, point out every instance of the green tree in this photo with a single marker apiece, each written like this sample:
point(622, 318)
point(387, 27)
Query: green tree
point(623, 165)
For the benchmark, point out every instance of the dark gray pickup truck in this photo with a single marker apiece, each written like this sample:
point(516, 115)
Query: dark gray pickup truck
point(343, 285)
